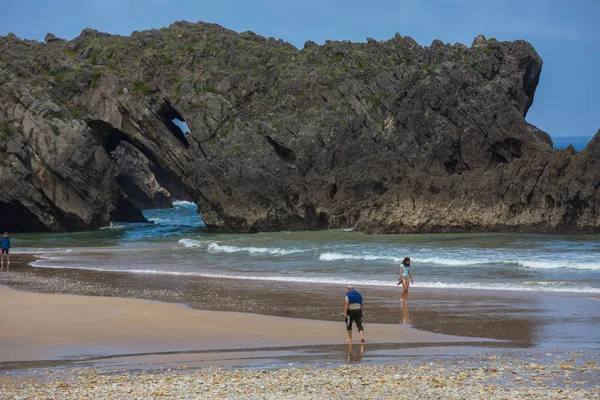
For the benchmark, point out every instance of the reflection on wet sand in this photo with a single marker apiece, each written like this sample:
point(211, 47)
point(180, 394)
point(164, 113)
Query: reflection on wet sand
point(405, 316)
point(355, 353)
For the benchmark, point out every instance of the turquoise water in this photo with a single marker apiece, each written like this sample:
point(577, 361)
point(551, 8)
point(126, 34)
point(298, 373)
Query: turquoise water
point(176, 244)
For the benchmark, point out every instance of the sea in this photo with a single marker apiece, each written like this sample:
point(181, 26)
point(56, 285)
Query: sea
point(578, 142)
point(177, 244)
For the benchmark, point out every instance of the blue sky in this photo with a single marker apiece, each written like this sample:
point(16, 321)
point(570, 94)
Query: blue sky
point(565, 33)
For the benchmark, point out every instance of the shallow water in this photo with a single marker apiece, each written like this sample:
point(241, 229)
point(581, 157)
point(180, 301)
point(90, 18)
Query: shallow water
point(176, 244)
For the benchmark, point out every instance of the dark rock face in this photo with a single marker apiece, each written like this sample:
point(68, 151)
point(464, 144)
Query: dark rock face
point(386, 136)
point(137, 180)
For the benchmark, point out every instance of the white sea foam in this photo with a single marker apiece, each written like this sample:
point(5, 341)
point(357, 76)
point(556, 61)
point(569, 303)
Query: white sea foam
point(42, 251)
point(558, 287)
point(415, 260)
point(452, 262)
point(192, 243)
point(474, 261)
point(114, 225)
point(39, 250)
point(217, 248)
point(566, 264)
point(183, 203)
point(366, 257)
point(546, 283)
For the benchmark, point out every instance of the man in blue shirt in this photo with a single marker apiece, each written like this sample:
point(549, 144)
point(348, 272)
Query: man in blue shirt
point(5, 248)
point(353, 312)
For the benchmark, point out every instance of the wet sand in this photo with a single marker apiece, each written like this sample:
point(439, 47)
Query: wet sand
point(49, 326)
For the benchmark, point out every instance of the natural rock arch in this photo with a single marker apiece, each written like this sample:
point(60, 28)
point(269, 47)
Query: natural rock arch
point(389, 136)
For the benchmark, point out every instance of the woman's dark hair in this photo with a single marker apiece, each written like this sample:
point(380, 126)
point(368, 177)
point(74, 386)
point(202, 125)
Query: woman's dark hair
point(405, 260)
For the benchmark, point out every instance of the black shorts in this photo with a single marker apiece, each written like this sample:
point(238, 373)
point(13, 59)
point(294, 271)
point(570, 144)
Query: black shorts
point(5, 251)
point(354, 316)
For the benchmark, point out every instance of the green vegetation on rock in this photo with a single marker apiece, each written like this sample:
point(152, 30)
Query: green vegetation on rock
point(6, 128)
point(140, 87)
point(55, 129)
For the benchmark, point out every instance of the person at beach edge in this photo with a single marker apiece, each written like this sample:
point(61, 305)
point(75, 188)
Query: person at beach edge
point(405, 278)
point(353, 312)
point(5, 249)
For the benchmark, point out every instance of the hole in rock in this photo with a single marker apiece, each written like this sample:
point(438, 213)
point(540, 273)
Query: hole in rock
point(158, 192)
point(181, 125)
point(147, 184)
point(175, 122)
point(15, 217)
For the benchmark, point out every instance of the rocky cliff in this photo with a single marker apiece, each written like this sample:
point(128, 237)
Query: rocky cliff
point(387, 136)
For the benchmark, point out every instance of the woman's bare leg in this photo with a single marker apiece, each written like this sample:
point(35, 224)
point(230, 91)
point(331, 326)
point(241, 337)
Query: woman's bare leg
point(405, 286)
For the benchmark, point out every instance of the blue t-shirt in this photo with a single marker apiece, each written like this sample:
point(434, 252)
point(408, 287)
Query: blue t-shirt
point(5, 243)
point(405, 270)
point(354, 297)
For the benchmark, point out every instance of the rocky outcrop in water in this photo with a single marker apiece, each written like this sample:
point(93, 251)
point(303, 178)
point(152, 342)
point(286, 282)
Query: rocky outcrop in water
point(386, 136)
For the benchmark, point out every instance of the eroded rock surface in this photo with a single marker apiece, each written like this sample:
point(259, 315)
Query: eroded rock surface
point(386, 136)
point(136, 179)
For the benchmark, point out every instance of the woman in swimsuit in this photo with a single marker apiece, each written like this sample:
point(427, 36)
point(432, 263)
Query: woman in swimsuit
point(405, 278)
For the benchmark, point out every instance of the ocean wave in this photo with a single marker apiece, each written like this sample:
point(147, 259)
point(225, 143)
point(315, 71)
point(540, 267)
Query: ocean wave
point(192, 243)
point(183, 203)
point(414, 260)
point(217, 248)
point(563, 264)
point(510, 287)
point(165, 221)
point(453, 262)
point(114, 225)
point(475, 261)
point(546, 283)
point(42, 250)
point(366, 257)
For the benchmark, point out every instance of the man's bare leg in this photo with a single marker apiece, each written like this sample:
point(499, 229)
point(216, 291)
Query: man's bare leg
point(362, 336)
point(349, 336)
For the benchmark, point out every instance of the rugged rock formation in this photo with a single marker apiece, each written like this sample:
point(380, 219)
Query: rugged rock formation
point(386, 136)
point(137, 180)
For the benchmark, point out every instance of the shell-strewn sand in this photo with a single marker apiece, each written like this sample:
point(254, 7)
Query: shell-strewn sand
point(478, 378)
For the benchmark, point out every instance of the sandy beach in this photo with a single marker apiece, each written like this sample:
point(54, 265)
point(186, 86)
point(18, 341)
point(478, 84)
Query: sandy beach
point(48, 326)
